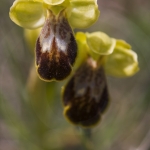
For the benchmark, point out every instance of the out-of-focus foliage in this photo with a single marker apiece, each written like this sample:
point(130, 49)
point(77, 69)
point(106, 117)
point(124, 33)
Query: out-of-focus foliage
point(33, 120)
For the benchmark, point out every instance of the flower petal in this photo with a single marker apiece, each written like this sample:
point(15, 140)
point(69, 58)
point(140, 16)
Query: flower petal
point(83, 13)
point(28, 14)
point(100, 43)
point(53, 2)
point(56, 48)
point(121, 63)
point(123, 44)
point(86, 97)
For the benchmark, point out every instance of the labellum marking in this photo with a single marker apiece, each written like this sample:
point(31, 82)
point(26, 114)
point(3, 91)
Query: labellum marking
point(56, 48)
point(86, 96)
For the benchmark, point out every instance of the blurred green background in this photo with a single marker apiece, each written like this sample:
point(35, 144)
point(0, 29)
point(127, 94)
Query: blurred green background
point(31, 110)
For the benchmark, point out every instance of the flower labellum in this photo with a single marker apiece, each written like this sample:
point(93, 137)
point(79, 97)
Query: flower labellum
point(86, 97)
point(56, 48)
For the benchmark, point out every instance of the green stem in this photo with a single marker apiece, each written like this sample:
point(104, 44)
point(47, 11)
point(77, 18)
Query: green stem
point(86, 138)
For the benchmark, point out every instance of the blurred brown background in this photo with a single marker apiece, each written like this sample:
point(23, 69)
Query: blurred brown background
point(125, 125)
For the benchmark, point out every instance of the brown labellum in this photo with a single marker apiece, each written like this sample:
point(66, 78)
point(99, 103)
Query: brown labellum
point(56, 48)
point(86, 97)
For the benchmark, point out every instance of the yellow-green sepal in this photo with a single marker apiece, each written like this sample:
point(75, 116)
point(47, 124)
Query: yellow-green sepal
point(27, 13)
point(100, 43)
point(123, 44)
point(122, 62)
point(82, 13)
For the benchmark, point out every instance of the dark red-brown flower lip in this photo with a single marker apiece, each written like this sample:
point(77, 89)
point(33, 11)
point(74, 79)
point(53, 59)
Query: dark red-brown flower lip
point(56, 48)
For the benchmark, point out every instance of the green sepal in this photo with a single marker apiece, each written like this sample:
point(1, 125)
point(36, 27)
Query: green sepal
point(122, 62)
point(82, 13)
point(27, 14)
point(100, 43)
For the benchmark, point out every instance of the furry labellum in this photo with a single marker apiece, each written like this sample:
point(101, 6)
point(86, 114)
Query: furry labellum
point(56, 48)
point(86, 97)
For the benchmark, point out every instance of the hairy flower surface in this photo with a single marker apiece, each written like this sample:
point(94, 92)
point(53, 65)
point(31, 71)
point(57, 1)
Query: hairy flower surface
point(31, 13)
point(56, 48)
point(86, 97)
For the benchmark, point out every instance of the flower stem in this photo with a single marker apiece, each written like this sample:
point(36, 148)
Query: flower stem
point(86, 138)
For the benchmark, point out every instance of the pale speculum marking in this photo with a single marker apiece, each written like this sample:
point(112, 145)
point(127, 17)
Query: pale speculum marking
point(56, 48)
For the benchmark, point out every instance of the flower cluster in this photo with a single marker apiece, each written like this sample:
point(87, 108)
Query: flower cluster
point(85, 57)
